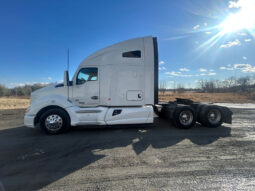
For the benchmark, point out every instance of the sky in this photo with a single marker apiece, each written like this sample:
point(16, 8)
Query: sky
point(197, 40)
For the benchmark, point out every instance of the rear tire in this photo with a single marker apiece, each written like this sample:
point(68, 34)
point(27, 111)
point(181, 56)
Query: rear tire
point(184, 117)
point(54, 121)
point(211, 116)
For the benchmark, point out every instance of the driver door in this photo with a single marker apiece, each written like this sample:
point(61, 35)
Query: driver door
point(86, 87)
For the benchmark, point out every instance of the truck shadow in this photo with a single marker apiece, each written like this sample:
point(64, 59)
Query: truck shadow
point(31, 160)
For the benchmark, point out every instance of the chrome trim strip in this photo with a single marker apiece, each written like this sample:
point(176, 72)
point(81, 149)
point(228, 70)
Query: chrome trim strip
point(88, 111)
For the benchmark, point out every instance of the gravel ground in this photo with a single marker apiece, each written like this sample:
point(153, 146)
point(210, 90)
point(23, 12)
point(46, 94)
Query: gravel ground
point(152, 157)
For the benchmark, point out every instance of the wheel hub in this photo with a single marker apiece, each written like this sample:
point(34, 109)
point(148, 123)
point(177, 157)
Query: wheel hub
point(53, 122)
point(186, 117)
point(214, 116)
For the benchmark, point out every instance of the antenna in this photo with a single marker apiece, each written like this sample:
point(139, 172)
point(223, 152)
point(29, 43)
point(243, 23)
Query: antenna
point(67, 60)
point(68, 74)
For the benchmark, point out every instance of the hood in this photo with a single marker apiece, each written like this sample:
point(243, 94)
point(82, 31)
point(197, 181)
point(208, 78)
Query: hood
point(44, 91)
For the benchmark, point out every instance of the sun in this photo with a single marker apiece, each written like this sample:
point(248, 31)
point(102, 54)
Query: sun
point(238, 21)
point(244, 19)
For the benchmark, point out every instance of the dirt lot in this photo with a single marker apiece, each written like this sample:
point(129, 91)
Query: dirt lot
point(152, 157)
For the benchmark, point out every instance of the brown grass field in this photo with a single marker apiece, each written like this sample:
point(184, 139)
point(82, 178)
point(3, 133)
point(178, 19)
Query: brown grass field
point(22, 103)
point(14, 103)
point(210, 97)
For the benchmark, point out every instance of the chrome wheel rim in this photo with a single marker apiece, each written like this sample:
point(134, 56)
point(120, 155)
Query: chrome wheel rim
point(186, 117)
point(53, 122)
point(214, 116)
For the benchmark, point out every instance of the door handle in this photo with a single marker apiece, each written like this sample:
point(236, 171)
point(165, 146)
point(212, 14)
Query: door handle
point(94, 97)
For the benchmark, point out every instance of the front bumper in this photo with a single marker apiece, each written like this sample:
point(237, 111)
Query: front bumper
point(29, 120)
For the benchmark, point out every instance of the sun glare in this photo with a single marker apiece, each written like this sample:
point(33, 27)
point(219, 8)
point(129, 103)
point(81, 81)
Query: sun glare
point(241, 19)
point(244, 19)
point(238, 21)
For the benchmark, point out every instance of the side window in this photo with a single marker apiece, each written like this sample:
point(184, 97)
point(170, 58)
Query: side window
point(132, 54)
point(86, 74)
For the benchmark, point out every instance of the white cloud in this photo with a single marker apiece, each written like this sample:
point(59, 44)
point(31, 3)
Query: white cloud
point(231, 43)
point(241, 4)
point(202, 70)
point(242, 34)
point(208, 32)
point(161, 63)
point(205, 24)
point(178, 74)
point(233, 4)
point(240, 66)
point(184, 69)
point(17, 84)
point(20, 84)
point(49, 78)
point(246, 68)
point(247, 40)
point(196, 27)
point(172, 73)
point(244, 57)
point(226, 68)
point(162, 68)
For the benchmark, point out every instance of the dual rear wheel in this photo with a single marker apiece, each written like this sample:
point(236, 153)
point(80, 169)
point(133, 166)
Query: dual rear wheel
point(185, 117)
point(210, 116)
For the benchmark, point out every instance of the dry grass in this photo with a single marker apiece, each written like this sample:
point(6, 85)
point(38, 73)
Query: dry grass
point(21, 103)
point(14, 103)
point(210, 97)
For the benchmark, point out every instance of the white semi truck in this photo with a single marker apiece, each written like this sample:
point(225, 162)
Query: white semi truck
point(116, 85)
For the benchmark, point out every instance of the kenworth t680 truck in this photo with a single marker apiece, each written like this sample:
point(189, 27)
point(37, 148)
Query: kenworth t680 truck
point(116, 85)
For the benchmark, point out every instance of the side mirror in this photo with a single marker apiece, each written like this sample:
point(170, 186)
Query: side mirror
point(66, 78)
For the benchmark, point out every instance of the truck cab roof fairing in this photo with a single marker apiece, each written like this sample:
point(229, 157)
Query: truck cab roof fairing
point(112, 53)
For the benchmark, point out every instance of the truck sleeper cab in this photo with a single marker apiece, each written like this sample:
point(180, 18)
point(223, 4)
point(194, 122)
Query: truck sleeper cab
point(115, 85)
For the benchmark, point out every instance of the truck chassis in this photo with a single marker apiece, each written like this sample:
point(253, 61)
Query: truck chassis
point(184, 113)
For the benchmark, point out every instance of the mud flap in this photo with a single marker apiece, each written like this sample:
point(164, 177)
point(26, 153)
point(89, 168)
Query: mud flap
point(227, 115)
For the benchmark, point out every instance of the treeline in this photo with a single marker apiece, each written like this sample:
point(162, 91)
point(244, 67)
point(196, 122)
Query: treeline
point(20, 90)
point(232, 84)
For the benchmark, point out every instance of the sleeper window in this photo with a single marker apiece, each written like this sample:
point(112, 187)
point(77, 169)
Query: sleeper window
point(87, 74)
point(132, 54)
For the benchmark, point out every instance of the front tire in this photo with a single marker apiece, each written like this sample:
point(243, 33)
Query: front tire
point(54, 121)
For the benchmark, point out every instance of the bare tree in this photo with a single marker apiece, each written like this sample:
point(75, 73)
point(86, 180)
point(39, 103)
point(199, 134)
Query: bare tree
point(162, 86)
point(207, 86)
point(180, 88)
point(2, 90)
point(243, 82)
